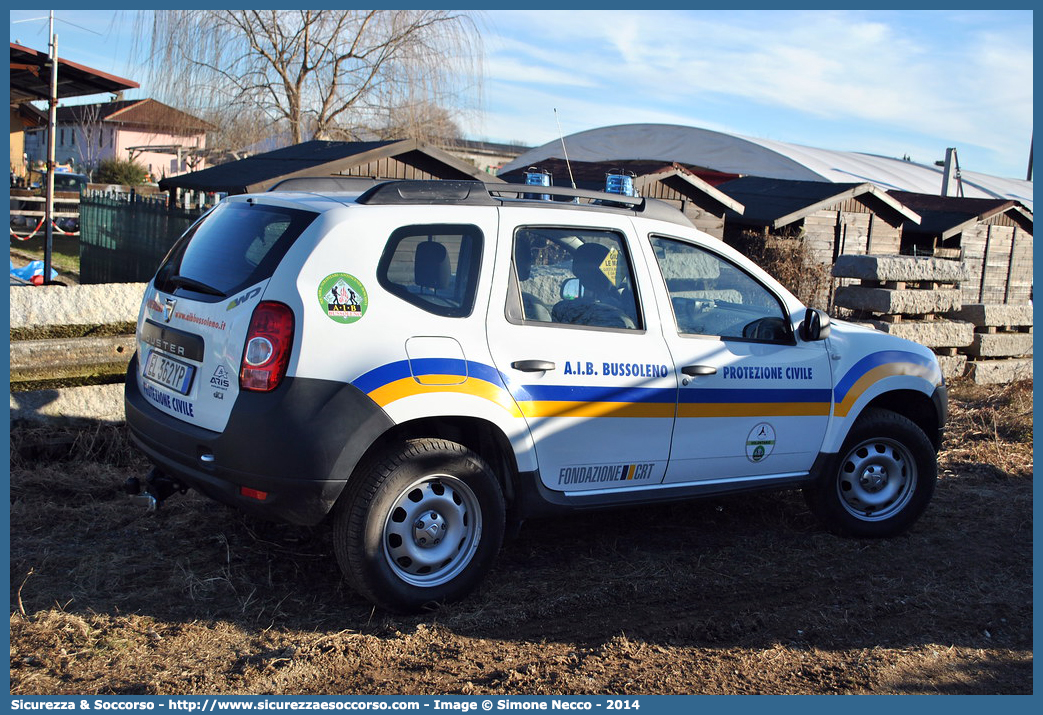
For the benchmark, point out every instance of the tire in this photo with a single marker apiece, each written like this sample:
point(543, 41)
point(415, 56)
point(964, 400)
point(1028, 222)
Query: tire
point(881, 480)
point(420, 526)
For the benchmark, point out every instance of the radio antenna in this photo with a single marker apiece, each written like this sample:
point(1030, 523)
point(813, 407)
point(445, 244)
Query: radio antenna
point(563, 149)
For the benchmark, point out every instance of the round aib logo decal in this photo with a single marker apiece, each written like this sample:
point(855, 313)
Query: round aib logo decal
point(343, 297)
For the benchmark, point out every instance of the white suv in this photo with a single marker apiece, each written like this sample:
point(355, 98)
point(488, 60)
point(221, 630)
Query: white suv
point(428, 362)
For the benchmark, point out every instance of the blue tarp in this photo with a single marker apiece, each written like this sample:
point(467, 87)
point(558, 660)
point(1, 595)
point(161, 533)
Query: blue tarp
point(26, 273)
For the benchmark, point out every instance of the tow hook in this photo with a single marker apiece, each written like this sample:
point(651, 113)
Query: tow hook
point(158, 487)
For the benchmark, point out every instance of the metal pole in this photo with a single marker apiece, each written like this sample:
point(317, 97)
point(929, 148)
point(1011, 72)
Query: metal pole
point(52, 110)
point(1031, 142)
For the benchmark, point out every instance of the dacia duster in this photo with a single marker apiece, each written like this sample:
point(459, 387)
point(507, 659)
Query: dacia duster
point(427, 362)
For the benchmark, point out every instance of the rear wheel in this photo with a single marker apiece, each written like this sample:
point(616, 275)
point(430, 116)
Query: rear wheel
point(420, 526)
point(881, 481)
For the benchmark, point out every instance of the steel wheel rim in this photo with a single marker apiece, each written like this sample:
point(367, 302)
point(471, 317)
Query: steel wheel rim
point(877, 479)
point(432, 531)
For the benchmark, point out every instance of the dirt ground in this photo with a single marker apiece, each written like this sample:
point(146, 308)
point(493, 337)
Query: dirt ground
point(743, 594)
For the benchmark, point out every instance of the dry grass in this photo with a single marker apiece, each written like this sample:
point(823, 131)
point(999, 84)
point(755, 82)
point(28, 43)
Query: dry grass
point(789, 260)
point(730, 595)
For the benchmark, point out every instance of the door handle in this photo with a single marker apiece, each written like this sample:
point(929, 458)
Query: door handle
point(696, 370)
point(533, 365)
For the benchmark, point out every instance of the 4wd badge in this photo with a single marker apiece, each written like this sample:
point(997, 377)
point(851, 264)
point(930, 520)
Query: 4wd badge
point(343, 297)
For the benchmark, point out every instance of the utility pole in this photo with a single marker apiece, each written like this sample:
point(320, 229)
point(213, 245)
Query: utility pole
point(52, 113)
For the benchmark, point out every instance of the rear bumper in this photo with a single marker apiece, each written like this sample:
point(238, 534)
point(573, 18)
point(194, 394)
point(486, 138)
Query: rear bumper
point(298, 444)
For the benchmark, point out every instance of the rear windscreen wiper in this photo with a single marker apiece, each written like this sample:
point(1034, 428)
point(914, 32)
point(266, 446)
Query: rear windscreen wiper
point(193, 284)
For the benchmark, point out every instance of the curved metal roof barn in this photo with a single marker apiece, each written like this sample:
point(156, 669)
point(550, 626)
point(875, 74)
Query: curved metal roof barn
point(747, 156)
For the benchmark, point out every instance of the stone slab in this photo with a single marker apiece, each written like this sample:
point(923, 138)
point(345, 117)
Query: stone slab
point(1001, 345)
point(898, 302)
point(999, 372)
point(70, 405)
point(984, 315)
point(50, 306)
point(932, 334)
point(953, 366)
point(898, 268)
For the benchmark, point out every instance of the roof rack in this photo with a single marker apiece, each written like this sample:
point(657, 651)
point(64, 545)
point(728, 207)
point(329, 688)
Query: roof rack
point(477, 193)
point(521, 189)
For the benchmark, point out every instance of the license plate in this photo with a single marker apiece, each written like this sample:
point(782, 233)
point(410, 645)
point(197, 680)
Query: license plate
point(169, 372)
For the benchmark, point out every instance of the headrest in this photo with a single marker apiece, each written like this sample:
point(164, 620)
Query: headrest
point(431, 266)
point(523, 256)
point(586, 265)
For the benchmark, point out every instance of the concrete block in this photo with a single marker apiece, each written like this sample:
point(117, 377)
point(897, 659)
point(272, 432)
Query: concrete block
point(898, 268)
point(988, 315)
point(931, 333)
point(999, 372)
point(73, 405)
point(50, 306)
point(897, 302)
point(953, 366)
point(1001, 345)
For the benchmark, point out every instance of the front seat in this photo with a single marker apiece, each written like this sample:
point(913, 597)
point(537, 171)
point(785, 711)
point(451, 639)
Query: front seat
point(600, 304)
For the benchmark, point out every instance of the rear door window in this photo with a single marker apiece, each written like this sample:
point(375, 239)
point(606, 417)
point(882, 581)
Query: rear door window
point(434, 267)
point(233, 247)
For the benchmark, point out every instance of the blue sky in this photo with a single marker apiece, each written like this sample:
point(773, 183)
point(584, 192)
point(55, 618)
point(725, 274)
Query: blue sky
point(883, 82)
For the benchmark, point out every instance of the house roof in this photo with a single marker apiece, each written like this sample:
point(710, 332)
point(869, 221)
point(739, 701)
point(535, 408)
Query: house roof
point(749, 156)
point(319, 158)
point(31, 80)
point(946, 216)
point(688, 180)
point(141, 112)
point(591, 174)
point(31, 116)
point(777, 202)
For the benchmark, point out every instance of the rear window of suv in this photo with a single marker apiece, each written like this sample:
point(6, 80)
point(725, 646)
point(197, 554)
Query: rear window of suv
point(233, 247)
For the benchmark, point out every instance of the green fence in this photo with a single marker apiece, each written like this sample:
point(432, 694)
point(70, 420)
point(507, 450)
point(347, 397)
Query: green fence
point(124, 237)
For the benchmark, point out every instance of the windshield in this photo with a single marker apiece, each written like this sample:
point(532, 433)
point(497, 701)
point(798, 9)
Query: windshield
point(234, 246)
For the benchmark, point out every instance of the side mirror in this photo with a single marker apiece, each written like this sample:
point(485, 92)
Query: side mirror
point(571, 289)
point(815, 325)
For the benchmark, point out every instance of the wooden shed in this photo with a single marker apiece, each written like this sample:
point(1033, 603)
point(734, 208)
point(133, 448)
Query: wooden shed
point(836, 219)
point(992, 237)
point(689, 189)
point(402, 159)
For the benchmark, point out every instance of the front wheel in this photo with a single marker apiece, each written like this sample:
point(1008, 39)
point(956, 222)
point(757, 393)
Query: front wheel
point(881, 481)
point(420, 526)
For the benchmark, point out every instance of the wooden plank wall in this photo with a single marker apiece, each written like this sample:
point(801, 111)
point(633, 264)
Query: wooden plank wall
point(851, 227)
point(389, 168)
point(997, 255)
point(703, 218)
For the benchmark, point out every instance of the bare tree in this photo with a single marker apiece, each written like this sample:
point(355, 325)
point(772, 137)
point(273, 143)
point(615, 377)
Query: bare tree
point(92, 132)
point(319, 72)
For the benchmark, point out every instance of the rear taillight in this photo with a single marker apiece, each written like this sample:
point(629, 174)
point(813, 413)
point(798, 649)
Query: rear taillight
point(267, 350)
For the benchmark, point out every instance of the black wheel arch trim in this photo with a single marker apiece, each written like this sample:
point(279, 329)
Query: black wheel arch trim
point(301, 442)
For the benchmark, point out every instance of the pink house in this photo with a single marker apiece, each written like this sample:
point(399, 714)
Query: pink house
point(166, 141)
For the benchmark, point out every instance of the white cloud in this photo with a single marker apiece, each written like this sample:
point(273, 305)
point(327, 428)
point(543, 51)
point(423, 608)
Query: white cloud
point(922, 74)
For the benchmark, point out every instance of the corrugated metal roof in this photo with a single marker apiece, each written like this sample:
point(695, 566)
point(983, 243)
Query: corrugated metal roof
point(731, 153)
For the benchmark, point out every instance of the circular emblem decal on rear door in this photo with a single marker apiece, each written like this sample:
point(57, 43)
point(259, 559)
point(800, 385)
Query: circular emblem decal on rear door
point(760, 443)
point(343, 297)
